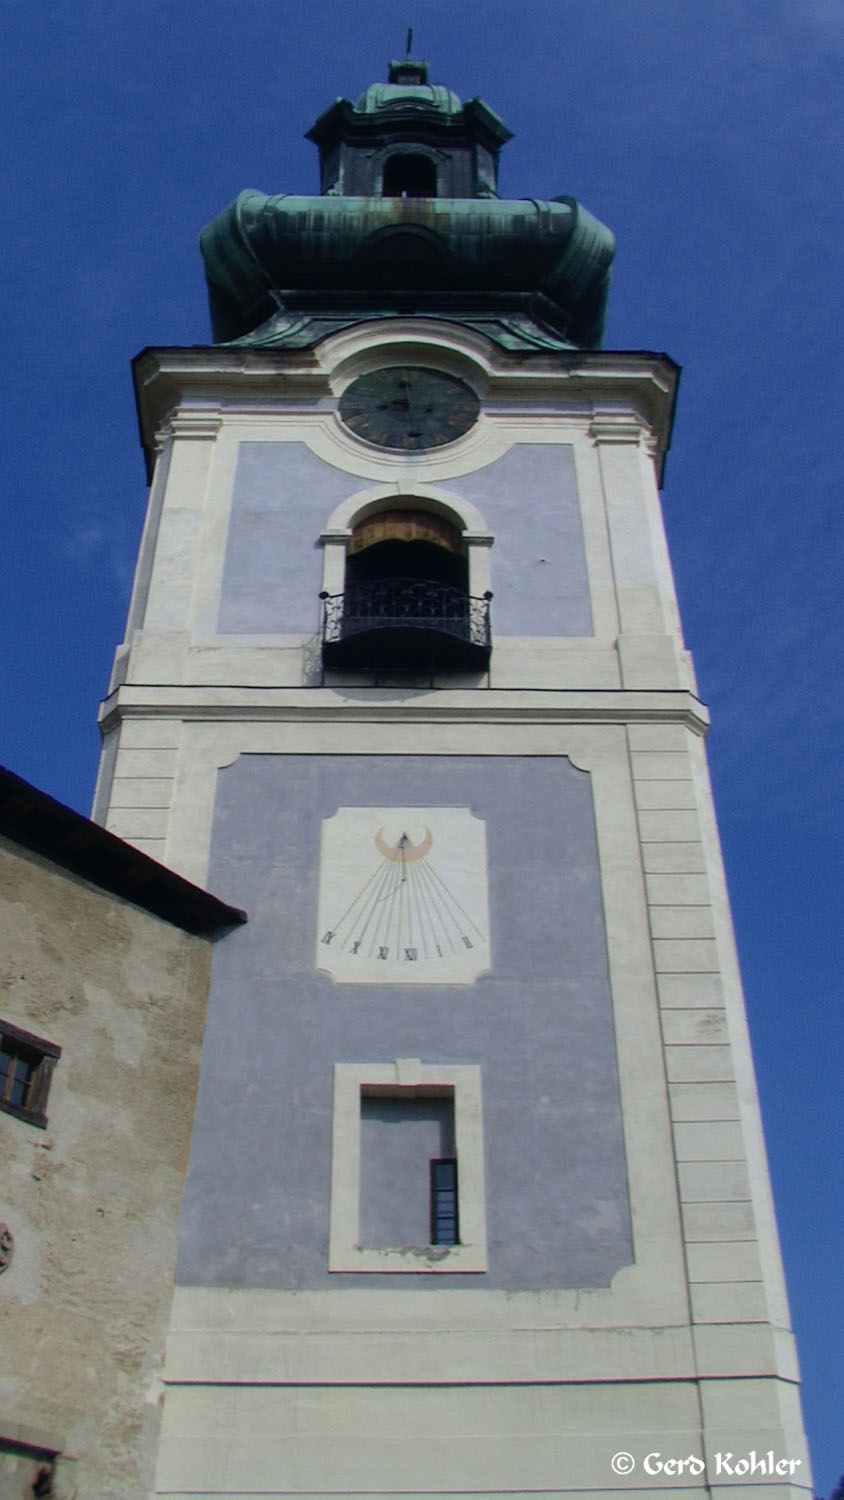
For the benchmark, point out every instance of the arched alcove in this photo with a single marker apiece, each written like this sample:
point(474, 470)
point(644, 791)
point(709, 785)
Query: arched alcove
point(412, 544)
point(405, 603)
point(409, 174)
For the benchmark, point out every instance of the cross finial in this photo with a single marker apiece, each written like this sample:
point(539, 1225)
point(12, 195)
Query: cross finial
point(407, 71)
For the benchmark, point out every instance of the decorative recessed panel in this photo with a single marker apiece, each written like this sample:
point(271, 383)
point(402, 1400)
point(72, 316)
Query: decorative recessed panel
point(403, 896)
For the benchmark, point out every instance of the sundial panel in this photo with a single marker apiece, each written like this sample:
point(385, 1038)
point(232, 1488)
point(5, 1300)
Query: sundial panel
point(403, 896)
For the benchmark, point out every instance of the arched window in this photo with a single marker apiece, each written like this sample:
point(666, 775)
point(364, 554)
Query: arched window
point(407, 544)
point(409, 174)
point(406, 603)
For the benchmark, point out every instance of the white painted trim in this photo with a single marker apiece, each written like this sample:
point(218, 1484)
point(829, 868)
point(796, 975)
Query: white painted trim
point(405, 496)
point(444, 346)
point(406, 1076)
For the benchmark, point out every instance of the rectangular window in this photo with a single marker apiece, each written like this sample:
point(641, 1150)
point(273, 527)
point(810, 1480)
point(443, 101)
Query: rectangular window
point(444, 1222)
point(398, 1202)
point(26, 1067)
point(400, 1135)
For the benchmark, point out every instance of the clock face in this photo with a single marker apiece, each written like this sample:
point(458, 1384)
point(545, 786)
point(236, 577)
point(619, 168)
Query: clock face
point(408, 409)
point(403, 896)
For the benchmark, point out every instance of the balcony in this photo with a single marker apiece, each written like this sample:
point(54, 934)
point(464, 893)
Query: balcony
point(405, 624)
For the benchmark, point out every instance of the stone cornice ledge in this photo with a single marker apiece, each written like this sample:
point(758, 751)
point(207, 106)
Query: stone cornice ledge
point(235, 378)
point(405, 705)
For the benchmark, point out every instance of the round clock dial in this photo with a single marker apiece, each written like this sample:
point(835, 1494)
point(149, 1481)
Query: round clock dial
point(408, 409)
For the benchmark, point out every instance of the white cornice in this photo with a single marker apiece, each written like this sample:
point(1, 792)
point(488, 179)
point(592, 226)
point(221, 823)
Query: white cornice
point(609, 387)
point(616, 427)
point(441, 705)
point(189, 422)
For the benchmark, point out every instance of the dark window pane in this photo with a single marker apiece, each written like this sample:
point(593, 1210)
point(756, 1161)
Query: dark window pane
point(444, 1228)
point(410, 175)
point(18, 1094)
point(23, 1070)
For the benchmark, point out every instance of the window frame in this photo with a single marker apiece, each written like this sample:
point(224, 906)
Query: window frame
point(366, 505)
point(407, 1077)
point(42, 1057)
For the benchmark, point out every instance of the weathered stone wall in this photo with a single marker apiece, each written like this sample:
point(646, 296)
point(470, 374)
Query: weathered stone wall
point(93, 1199)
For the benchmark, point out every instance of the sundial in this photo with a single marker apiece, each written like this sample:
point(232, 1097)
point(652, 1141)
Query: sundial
point(403, 896)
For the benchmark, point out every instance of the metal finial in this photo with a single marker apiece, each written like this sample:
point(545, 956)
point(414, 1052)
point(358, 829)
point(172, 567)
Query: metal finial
point(409, 42)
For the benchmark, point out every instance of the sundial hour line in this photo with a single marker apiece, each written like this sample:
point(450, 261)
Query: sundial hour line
point(376, 874)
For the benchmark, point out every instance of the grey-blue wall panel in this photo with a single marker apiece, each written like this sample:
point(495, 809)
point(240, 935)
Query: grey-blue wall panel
point(256, 1210)
point(530, 502)
point(284, 494)
point(272, 575)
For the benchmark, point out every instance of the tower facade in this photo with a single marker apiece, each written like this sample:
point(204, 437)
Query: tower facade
point(477, 1197)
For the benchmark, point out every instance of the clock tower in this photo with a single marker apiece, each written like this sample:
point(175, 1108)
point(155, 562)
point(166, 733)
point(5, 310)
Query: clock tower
point(477, 1201)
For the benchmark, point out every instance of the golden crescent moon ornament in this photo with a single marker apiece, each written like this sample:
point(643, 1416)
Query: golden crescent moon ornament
point(404, 849)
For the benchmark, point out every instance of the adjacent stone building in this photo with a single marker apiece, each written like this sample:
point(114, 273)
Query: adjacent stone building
point(104, 967)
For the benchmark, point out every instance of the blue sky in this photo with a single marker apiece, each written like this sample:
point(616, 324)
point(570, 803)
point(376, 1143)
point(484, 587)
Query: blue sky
point(707, 134)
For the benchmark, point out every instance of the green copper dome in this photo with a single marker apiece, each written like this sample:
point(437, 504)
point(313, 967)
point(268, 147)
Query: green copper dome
point(424, 96)
point(408, 221)
point(409, 89)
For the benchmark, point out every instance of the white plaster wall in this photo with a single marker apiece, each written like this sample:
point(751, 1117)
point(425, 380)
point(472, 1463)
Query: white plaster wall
point(690, 1347)
point(550, 1439)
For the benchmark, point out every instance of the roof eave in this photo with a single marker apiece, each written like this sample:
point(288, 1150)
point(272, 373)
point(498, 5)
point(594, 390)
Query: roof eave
point(36, 821)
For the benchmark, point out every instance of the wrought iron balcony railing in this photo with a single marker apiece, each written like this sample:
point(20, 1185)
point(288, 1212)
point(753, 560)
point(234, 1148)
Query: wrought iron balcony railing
point(396, 623)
